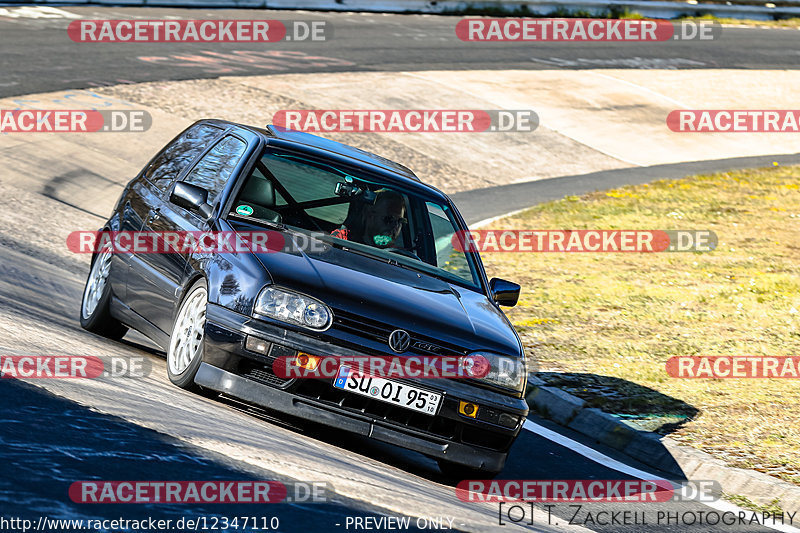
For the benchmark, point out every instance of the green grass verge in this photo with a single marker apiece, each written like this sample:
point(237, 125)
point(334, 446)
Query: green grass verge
point(613, 13)
point(610, 321)
point(779, 23)
point(773, 508)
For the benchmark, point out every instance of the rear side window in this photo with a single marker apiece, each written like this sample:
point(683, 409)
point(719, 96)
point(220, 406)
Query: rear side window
point(215, 168)
point(179, 154)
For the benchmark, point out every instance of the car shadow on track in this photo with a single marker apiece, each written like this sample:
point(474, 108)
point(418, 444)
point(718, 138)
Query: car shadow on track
point(139, 342)
point(641, 407)
point(405, 460)
point(48, 443)
point(532, 456)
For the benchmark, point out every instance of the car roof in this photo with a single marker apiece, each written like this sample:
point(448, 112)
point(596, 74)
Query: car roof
point(328, 149)
point(299, 137)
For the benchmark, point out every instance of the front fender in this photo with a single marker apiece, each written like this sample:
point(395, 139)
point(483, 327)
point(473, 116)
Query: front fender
point(234, 279)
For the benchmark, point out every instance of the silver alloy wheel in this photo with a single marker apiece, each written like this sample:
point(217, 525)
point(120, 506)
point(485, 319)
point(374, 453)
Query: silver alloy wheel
point(187, 334)
point(96, 284)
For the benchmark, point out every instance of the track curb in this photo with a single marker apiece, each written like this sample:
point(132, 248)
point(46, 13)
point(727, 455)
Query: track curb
point(655, 450)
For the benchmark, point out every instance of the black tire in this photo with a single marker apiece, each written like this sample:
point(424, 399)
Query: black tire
point(180, 375)
point(459, 472)
point(99, 320)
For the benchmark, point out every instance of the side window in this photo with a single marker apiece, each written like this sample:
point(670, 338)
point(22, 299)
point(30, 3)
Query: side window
point(447, 257)
point(179, 154)
point(213, 170)
point(306, 183)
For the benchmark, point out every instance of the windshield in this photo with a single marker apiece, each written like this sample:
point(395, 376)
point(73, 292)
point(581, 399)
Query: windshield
point(357, 213)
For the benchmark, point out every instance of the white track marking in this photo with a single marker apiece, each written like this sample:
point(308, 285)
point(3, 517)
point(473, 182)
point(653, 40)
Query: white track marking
point(488, 221)
point(608, 462)
point(643, 89)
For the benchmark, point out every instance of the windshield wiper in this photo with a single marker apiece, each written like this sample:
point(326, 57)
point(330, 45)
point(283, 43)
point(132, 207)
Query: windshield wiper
point(387, 260)
point(362, 253)
point(447, 278)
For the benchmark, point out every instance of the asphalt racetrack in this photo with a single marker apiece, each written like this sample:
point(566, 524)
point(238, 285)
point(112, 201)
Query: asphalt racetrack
point(56, 432)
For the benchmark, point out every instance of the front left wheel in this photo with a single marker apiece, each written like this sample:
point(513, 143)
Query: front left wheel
point(186, 342)
point(95, 314)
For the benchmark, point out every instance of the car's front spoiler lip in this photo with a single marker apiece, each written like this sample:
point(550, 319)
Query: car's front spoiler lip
point(226, 382)
point(234, 321)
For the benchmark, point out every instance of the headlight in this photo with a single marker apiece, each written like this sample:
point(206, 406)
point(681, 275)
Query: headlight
point(293, 307)
point(506, 372)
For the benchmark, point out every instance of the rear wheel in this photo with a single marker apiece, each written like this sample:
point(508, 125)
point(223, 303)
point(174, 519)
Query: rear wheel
point(95, 314)
point(187, 340)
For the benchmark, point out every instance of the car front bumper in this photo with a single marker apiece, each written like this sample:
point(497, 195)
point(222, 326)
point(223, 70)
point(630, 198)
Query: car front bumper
point(228, 367)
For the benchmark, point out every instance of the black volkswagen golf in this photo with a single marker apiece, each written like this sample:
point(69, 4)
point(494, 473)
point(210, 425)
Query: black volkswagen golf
point(372, 270)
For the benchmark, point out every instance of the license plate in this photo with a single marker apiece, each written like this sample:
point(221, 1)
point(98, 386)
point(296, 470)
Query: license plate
point(388, 391)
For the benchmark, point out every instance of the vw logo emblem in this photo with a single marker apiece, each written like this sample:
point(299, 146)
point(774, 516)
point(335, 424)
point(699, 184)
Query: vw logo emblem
point(399, 340)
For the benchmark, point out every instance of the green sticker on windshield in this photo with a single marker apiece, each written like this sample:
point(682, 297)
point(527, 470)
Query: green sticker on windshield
point(244, 210)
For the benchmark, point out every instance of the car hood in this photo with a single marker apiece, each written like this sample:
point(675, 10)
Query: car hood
point(396, 296)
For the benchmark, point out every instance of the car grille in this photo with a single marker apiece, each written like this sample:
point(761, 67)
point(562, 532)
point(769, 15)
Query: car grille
point(262, 371)
point(378, 331)
point(265, 376)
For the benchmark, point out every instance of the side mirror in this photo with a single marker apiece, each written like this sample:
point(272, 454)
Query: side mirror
point(504, 292)
point(191, 197)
